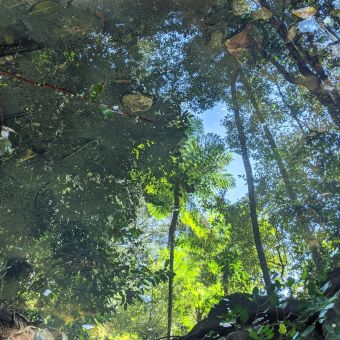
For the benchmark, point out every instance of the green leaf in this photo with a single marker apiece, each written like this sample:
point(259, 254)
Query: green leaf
point(242, 312)
point(304, 274)
point(290, 281)
point(282, 328)
point(107, 112)
point(268, 332)
point(253, 335)
point(45, 7)
point(95, 91)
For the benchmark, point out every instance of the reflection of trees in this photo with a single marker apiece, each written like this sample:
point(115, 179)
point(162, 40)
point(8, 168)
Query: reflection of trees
point(71, 190)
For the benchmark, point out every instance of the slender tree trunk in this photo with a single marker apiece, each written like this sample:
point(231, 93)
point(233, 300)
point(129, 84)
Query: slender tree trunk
point(271, 141)
point(300, 210)
point(292, 112)
point(171, 246)
point(251, 188)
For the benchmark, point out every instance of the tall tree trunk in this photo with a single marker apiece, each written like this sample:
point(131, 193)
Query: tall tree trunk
point(251, 188)
point(171, 246)
point(291, 110)
point(298, 206)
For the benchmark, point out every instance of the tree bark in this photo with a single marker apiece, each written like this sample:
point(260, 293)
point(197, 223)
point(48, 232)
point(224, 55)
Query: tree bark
point(251, 188)
point(171, 246)
point(298, 206)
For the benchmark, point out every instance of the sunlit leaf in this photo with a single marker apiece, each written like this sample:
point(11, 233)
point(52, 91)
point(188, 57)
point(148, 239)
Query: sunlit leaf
point(96, 90)
point(292, 33)
point(282, 328)
point(107, 112)
point(304, 274)
point(305, 12)
point(194, 225)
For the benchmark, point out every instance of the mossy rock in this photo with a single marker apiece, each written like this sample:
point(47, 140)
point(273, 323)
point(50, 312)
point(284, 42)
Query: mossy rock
point(137, 102)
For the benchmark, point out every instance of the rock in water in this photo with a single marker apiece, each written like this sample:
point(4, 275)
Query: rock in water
point(137, 102)
point(262, 13)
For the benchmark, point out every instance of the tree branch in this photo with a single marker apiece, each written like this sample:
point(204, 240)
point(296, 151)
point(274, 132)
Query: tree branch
point(21, 46)
point(68, 93)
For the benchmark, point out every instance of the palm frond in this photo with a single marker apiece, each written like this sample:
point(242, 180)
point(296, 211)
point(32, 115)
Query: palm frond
point(204, 160)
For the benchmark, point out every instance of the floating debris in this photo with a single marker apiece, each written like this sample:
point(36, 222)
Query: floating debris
point(29, 154)
point(305, 12)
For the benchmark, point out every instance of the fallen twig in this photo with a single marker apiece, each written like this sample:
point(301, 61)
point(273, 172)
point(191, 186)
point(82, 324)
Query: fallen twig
point(68, 93)
point(80, 148)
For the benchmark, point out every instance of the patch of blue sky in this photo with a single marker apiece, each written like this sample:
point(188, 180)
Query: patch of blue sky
point(212, 121)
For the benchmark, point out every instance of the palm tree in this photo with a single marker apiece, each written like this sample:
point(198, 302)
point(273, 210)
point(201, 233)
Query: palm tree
point(197, 171)
point(200, 171)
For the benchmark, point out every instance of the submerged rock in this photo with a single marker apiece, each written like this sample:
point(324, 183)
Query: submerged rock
point(262, 13)
point(137, 102)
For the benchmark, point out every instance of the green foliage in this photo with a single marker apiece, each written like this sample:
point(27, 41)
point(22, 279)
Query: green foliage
point(95, 92)
point(262, 333)
point(84, 216)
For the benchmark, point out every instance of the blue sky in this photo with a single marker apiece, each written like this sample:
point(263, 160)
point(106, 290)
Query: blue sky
point(212, 123)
